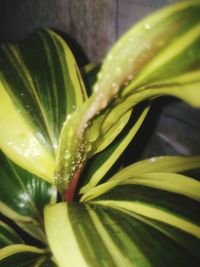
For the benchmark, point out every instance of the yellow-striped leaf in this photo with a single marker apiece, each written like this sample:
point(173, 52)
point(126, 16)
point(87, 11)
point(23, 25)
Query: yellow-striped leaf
point(25, 256)
point(8, 236)
point(23, 197)
point(159, 56)
point(131, 232)
point(40, 85)
point(103, 161)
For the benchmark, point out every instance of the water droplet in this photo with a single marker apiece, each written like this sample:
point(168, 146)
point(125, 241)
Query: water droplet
point(78, 155)
point(73, 107)
point(66, 178)
point(152, 159)
point(147, 26)
point(22, 94)
point(93, 135)
point(83, 158)
point(73, 168)
point(67, 155)
point(55, 146)
point(85, 126)
point(89, 147)
point(69, 117)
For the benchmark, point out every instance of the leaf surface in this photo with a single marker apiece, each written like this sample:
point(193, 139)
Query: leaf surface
point(23, 197)
point(103, 161)
point(40, 85)
point(123, 233)
point(8, 236)
point(25, 256)
point(159, 56)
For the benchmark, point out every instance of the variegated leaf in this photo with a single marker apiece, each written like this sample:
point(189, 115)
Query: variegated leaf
point(40, 85)
point(23, 197)
point(25, 256)
point(159, 56)
point(8, 236)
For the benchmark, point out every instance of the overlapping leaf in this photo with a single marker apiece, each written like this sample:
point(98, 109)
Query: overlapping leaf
point(14, 252)
point(159, 56)
point(8, 236)
point(129, 226)
point(25, 256)
point(23, 197)
point(133, 219)
point(103, 161)
point(40, 85)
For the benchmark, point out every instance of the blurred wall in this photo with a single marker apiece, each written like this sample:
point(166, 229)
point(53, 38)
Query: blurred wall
point(93, 24)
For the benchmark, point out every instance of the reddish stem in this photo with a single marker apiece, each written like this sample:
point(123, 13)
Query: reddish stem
point(71, 190)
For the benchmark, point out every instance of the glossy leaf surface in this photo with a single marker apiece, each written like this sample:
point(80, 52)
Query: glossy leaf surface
point(40, 85)
point(159, 164)
point(159, 56)
point(23, 197)
point(126, 227)
point(103, 161)
point(146, 169)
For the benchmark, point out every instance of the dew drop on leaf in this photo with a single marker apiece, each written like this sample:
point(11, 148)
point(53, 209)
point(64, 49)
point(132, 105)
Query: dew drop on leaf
point(147, 26)
point(67, 155)
point(89, 147)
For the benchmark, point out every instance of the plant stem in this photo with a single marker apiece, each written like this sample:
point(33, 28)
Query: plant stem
point(69, 194)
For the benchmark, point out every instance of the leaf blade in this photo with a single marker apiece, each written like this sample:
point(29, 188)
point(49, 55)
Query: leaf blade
point(159, 56)
point(40, 90)
point(103, 162)
point(23, 197)
point(8, 236)
point(105, 236)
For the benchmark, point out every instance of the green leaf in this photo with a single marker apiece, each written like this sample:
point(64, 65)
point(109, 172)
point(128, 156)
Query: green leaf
point(159, 164)
point(102, 162)
point(8, 236)
point(160, 180)
point(122, 233)
point(159, 56)
point(40, 85)
point(147, 167)
point(14, 253)
point(24, 256)
point(23, 197)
